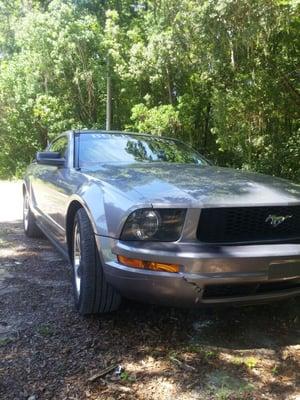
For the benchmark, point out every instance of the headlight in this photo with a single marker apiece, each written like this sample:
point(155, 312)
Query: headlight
point(162, 224)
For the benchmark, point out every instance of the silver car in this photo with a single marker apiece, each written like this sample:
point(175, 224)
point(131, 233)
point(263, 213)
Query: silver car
point(149, 218)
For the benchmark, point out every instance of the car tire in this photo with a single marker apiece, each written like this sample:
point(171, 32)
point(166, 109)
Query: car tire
point(30, 227)
point(93, 294)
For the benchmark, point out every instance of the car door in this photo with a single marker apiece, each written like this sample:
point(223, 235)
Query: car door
point(51, 190)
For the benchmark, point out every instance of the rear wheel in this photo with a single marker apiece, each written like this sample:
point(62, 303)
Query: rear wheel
point(93, 295)
point(30, 227)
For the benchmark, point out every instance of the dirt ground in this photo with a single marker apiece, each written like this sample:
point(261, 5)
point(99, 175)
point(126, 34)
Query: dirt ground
point(48, 351)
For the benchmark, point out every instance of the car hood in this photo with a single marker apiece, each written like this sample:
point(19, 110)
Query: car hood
point(196, 185)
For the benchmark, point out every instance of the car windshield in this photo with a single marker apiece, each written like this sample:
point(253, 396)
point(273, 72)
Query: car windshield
point(97, 148)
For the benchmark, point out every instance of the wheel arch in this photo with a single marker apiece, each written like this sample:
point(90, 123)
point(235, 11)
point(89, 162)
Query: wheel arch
point(75, 204)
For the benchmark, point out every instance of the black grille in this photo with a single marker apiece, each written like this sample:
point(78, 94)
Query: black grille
point(248, 224)
point(248, 289)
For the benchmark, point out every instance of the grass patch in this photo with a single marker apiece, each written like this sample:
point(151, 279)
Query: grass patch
point(5, 341)
point(126, 377)
point(223, 386)
point(249, 362)
point(275, 370)
point(206, 353)
point(45, 330)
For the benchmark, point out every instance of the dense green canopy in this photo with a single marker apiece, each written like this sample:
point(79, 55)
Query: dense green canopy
point(222, 75)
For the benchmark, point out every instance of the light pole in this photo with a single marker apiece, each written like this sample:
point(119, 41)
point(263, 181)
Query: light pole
point(108, 95)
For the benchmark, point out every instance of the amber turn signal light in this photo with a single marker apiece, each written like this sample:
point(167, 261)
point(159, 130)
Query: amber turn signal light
point(153, 266)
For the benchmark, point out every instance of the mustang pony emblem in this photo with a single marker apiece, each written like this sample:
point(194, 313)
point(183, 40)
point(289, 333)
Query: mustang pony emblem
point(276, 220)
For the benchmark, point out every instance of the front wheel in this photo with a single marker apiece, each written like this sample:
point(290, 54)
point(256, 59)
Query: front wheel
point(93, 295)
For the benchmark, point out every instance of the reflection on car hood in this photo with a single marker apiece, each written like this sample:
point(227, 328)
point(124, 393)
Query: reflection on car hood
point(196, 185)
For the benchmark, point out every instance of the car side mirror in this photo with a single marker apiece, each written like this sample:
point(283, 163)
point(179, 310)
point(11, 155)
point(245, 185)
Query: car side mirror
point(50, 158)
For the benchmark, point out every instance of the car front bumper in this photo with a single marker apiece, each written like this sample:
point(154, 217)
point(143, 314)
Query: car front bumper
point(208, 274)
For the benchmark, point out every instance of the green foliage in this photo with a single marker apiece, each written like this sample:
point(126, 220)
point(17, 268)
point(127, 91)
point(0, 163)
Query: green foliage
point(222, 75)
point(159, 120)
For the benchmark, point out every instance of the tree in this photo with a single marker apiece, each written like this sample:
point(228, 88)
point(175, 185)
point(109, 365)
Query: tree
point(220, 74)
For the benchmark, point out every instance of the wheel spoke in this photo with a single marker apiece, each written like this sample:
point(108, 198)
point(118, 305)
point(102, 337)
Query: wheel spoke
point(77, 259)
point(26, 211)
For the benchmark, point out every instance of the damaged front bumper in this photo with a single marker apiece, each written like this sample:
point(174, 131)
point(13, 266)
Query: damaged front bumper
point(208, 274)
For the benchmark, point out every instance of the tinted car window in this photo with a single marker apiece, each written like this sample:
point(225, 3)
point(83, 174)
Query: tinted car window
point(97, 148)
point(60, 145)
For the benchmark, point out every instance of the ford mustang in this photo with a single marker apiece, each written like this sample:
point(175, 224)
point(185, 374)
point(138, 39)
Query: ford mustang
point(148, 218)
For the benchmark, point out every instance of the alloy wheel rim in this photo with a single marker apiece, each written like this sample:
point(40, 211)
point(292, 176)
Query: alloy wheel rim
point(77, 259)
point(26, 211)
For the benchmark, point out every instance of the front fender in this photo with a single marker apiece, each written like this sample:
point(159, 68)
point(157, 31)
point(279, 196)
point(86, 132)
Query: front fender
point(106, 206)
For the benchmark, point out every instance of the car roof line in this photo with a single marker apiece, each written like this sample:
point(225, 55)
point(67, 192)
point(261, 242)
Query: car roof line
point(112, 132)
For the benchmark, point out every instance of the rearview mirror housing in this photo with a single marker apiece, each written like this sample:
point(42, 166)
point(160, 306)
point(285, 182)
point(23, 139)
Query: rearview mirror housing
point(50, 158)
